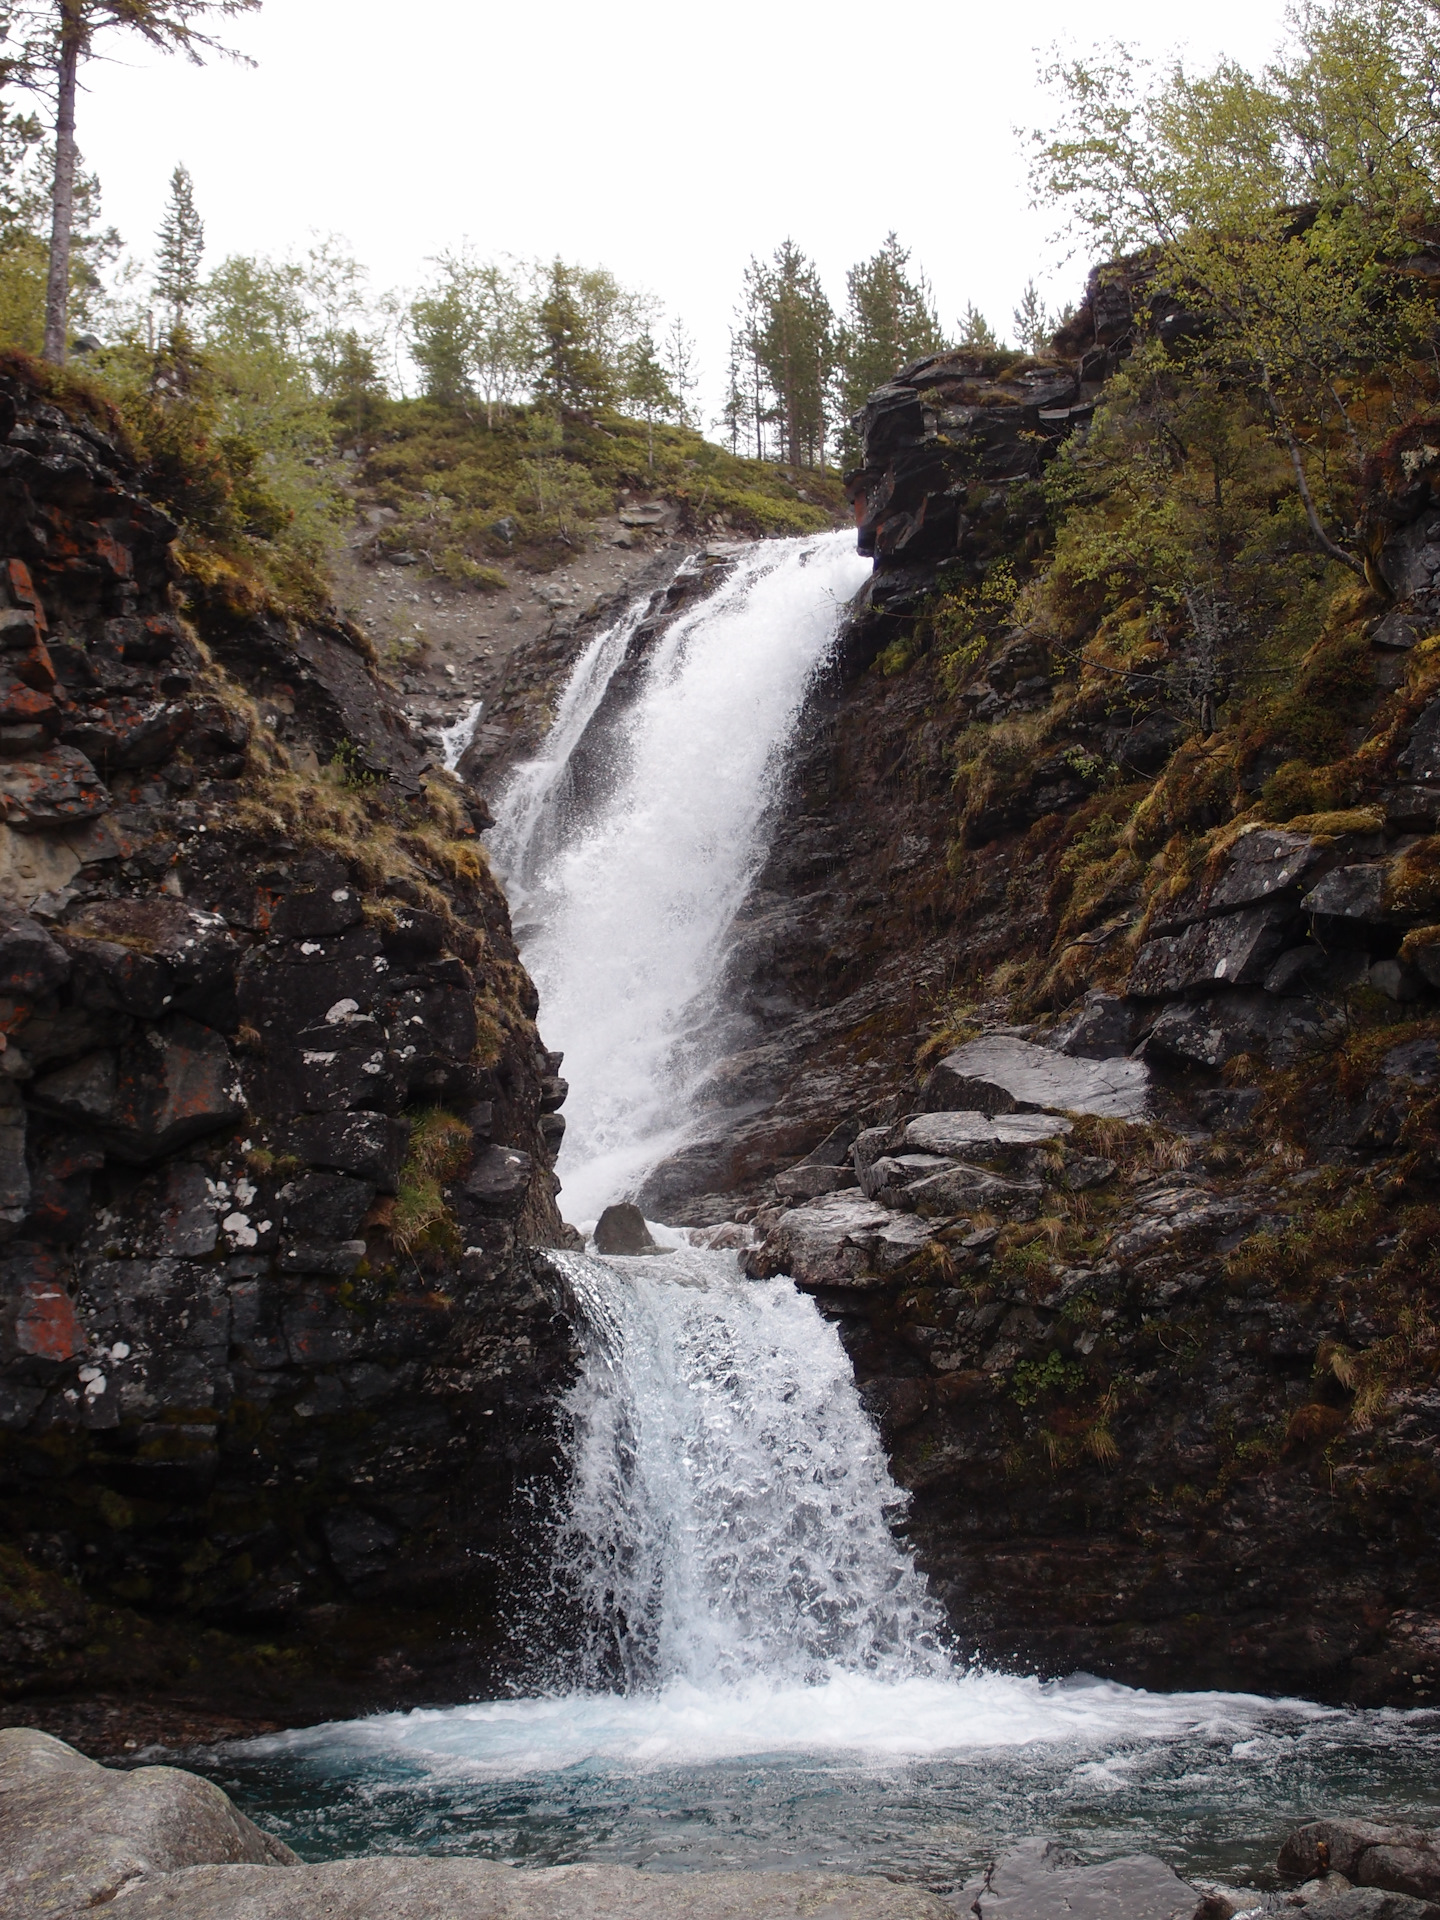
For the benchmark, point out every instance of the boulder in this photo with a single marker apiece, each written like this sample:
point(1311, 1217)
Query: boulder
point(806, 1182)
point(1403, 1859)
point(1349, 893)
point(999, 1075)
point(966, 1189)
point(74, 1835)
point(621, 1229)
point(1042, 1880)
point(1233, 950)
point(1212, 1031)
point(1261, 863)
point(824, 1245)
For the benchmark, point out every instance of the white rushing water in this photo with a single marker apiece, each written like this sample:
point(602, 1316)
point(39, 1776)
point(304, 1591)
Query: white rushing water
point(729, 1505)
point(623, 906)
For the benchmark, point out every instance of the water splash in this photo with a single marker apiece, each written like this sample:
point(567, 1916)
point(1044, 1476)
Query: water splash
point(730, 1508)
point(623, 905)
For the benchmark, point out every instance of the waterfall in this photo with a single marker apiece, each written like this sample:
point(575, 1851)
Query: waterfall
point(728, 1520)
point(623, 904)
point(729, 1509)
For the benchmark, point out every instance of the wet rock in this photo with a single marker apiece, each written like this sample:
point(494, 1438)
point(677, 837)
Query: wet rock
point(129, 732)
point(1086, 1171)
point(1261, 863)
point(369, 1146)
point(327, 1206)
point(1001, 1075)
point(174, 1084)
point(1233, 950)
point(824, 1245)
point(74, 1835)
point(966, 1189)
point(1349, 893)
point(1420, 760)
point(1041, 1880)
point(1340, 1846)
point(31, 963)
point(621, 1229)
point(1365, 1903)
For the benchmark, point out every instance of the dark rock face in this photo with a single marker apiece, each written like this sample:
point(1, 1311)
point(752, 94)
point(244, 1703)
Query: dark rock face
point(266, 1363)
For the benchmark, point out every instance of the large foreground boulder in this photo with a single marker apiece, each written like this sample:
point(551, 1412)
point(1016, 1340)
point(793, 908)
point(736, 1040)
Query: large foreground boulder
point(74, 1835)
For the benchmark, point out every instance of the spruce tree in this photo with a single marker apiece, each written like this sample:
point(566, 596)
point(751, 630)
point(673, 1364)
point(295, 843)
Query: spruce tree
point(181, 248)
point(890, 320)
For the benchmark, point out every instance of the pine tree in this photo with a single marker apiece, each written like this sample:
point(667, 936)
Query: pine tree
point(647, 387)
point(64, 36)
point(1034, 324)
point(793, 342)
point(976, 332)
point(181, 248)
point(735, 409)
point(682, 371)
point(890, 320)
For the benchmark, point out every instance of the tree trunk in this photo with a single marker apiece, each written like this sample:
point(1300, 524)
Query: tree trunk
point(57, 288)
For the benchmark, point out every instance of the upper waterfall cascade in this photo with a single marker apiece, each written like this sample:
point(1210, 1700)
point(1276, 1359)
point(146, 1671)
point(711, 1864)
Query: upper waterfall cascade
point(623, 900)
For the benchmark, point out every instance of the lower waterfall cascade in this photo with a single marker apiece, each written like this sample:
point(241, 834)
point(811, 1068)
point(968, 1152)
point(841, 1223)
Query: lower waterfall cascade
point(759, 1676)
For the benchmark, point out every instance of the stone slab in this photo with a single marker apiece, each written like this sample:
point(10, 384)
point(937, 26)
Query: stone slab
point(1003, 1075)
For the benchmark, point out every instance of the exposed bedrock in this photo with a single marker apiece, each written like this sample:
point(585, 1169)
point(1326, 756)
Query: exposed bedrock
point(276, 1140)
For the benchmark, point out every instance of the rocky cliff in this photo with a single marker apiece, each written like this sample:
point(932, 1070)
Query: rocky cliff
point(1143, 1292)
point(276, 1135)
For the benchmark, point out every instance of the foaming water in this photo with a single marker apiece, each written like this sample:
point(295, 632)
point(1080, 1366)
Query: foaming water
point(623, 905)
point(925, 1778)
point(729, 1514)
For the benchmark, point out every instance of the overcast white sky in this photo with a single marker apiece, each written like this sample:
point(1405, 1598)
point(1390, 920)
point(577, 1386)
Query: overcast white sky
point(666, 141)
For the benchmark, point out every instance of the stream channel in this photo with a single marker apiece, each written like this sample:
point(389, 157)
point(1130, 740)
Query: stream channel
point(760, 1678)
